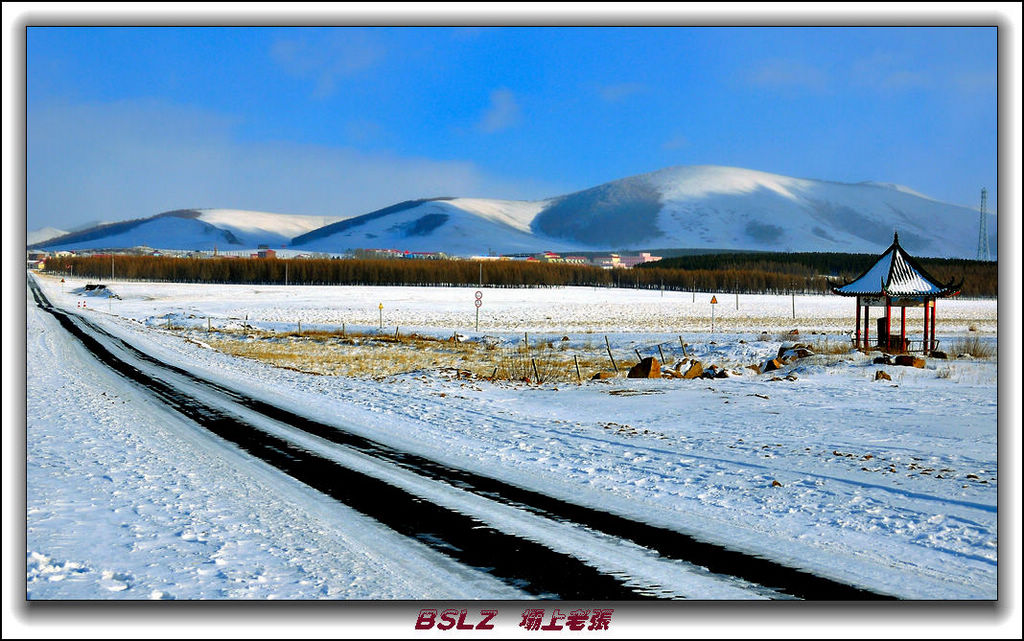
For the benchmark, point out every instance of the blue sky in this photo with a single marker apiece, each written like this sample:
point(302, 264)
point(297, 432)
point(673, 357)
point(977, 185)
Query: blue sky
point(129, 122)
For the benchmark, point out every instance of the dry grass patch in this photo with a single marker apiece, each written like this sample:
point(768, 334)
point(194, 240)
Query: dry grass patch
point(375, 355)
point(546, 365)
point(974, 346)
point(343, 358)
point(829, 346)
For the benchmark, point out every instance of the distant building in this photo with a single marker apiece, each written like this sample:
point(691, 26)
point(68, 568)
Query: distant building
point(265, 252)
point(427, 255)
point(616, 261)
point(639, 259)
point(607, 261)
point(379, 253)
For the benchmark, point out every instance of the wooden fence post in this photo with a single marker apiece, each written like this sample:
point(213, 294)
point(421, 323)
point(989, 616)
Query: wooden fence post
point(610, 357)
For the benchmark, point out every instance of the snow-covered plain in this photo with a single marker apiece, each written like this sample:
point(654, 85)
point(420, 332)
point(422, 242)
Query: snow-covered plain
point(890, 485)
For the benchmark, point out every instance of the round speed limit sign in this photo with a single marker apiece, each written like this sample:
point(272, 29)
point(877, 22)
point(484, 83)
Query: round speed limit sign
point(478, 302)
point(479, 294)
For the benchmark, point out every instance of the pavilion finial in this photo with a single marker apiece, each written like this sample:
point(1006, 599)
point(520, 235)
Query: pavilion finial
point(895, 237)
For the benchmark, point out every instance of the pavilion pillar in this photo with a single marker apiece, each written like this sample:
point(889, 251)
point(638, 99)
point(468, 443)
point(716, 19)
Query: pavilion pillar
point(857, 325)
point(933, 325)
point(903, 328)
point(924, 343)
point(867, 332)
point(888, 323)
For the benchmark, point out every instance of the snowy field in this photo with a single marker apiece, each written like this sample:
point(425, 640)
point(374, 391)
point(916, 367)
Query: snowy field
point(566, 310)
point(888, 485)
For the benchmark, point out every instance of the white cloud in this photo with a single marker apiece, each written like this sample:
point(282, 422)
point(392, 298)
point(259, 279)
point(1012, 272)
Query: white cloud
point(329, 57)
point(675, 142)
point(787, 73)
point(502, 113)
point(615, 93)
point(884, 71)
point(976, 81)
point(117, 161)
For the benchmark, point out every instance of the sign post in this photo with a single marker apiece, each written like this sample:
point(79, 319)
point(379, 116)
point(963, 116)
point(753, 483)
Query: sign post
point(478, 302)
point(380, 308)
point(714, 301)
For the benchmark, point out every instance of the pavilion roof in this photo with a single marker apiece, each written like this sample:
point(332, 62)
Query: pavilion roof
point(898, 275)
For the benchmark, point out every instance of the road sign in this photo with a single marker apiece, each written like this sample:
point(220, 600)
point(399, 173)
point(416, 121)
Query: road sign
point(479, 302)
point(479, 294)
point(714, 301)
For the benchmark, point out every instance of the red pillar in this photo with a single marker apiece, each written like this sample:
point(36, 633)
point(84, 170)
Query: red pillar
point(903, 328)
point(933, 325)
point(857, 324)
point(924, 343)
point(867, 332)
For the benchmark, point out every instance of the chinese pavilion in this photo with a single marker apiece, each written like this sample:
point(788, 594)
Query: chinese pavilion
point(896, 280)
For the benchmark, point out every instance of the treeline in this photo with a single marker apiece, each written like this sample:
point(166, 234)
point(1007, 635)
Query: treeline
point(773, 272)
point(444, 273)
point(743, 273)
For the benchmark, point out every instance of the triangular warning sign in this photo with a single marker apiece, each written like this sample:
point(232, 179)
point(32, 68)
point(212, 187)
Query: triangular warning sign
point(714, 301)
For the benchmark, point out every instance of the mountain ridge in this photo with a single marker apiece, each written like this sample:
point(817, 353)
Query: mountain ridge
point(686, 206)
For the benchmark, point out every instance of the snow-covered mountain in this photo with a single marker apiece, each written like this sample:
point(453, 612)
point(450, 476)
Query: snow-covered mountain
point(44, 234)
point(694, 207)
point(727, 207)
point(456, 226)
point(194, 229)
point(698, 207)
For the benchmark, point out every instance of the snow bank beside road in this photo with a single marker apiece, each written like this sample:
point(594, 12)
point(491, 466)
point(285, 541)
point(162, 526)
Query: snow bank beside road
point(127, 500)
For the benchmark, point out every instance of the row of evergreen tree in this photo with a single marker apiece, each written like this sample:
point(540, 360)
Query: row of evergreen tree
point(980, 278)
point(726, 273)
